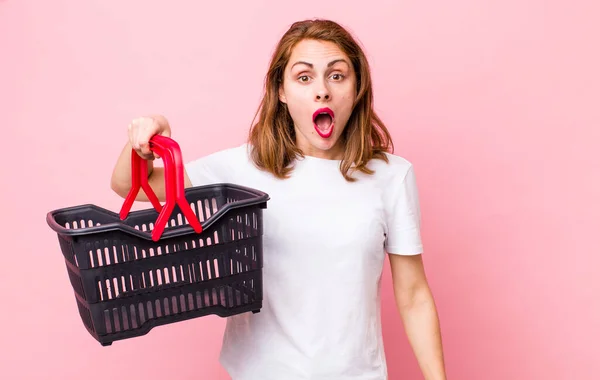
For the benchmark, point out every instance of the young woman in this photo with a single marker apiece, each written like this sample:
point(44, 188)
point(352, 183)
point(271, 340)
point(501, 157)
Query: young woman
point(339, 200)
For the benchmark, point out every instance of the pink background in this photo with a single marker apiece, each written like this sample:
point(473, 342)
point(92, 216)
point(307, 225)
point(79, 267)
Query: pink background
point(496, 103)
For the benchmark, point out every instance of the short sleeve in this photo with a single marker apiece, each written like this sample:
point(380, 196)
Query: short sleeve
point(217, 167)
point(403, 216)
point(201, 172)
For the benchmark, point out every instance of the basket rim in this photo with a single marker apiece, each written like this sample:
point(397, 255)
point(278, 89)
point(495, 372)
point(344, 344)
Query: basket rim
point(259, 197)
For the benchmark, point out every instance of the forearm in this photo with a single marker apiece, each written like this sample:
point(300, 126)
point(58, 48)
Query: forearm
point(421, 323)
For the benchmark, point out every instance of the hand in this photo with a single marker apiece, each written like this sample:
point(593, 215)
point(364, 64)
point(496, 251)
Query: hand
point(141, 131)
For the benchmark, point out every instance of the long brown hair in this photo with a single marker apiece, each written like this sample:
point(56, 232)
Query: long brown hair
point(272, 137)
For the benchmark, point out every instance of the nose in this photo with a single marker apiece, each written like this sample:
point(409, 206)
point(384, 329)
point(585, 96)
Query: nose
point(322, 93)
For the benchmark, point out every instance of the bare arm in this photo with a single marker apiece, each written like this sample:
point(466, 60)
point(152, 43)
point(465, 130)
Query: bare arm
point(140, 132)
point(418, 313)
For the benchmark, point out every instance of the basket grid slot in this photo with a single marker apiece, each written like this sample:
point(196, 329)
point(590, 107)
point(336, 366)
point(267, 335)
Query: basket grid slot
point(133, 316)
point(81, 223)
point(203, 208)
point(189, 272)
point(105, 252)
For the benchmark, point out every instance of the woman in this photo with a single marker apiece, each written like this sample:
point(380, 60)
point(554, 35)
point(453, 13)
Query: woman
point(338, 202)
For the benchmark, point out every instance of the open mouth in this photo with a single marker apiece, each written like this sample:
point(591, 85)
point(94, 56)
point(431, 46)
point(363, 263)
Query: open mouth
point(323, 122)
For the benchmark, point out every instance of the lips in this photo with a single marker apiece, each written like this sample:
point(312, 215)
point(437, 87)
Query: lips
point(323, 121)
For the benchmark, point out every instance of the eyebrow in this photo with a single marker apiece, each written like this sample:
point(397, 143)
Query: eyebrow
point(328, 65)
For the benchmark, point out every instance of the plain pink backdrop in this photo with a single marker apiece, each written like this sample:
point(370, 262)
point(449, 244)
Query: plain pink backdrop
point(496, 103)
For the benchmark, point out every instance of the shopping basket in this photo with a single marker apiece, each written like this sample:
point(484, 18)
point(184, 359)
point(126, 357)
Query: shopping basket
point(198, 254)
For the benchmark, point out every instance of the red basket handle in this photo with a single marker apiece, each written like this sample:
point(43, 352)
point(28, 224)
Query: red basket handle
point(170, 152)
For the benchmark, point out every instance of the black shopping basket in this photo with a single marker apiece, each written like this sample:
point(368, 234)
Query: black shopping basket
point(198, 254)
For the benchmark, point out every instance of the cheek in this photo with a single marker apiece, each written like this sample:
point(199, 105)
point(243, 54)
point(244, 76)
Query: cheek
point(294, 107)
point(297, 104)
point(347, 104)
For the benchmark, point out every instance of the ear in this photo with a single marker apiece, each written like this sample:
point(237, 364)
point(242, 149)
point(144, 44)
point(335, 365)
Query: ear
point(282, 97)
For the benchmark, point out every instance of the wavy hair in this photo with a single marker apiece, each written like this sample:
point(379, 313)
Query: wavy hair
point(272, 137)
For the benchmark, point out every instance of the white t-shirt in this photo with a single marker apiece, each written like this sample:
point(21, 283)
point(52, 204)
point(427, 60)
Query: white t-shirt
point(324, 247)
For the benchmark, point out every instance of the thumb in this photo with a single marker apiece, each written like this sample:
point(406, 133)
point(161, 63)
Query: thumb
point(166, 132)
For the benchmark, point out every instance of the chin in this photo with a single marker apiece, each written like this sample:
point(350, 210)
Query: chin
point(312, 141)
point(324, 144)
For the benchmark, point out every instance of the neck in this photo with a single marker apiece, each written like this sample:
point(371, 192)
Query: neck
point(334, 153)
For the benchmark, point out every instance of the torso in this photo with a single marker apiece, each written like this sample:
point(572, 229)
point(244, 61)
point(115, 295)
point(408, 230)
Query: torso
point(323, 258)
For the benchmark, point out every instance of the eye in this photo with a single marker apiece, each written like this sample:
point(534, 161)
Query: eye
point(303, 78)
point(337, 77)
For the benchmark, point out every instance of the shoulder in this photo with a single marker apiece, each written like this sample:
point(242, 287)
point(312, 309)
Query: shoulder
point(219, 166)
point(223, 157)
point(398, 162)
point(394, 171)
point(234, 152)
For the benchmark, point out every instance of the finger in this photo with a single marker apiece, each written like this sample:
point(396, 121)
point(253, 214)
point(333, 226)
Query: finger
point(135, 134)
point(153, 129)
point(145, 147)
point(149, 157)
point(145, 135)
point(142, 137)
point(130, 134)
point(165, 132)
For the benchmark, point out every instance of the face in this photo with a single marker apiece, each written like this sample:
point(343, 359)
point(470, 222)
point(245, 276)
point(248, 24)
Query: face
point(319, 88)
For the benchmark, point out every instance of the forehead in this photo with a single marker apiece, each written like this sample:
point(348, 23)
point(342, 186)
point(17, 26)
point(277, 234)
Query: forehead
point(316, 52)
